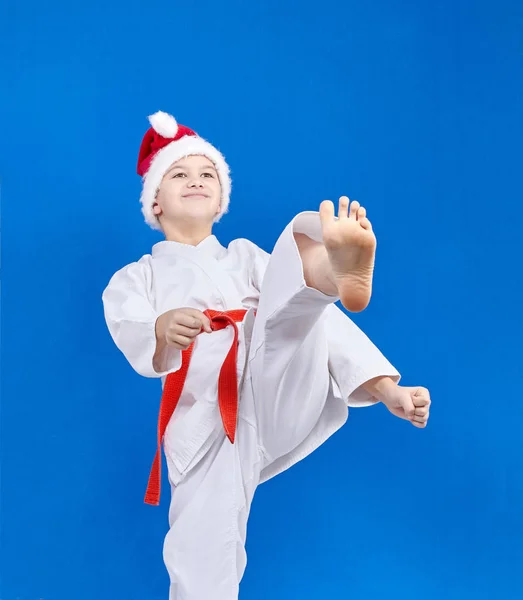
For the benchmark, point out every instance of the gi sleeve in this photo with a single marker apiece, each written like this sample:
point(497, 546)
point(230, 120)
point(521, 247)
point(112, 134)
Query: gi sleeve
point(131, 320)
point(353, 358)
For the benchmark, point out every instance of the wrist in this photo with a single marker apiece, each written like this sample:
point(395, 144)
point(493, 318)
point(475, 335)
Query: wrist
point(160, 330)
point(380, 387)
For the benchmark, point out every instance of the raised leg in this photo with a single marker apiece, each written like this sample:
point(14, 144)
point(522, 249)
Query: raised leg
point(288, 363)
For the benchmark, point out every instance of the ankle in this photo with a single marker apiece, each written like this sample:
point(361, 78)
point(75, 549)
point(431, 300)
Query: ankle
point(316, 266)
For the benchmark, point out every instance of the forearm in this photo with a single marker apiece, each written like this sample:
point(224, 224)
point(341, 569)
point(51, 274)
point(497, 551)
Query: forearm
point(160, 329)
point(380, 387)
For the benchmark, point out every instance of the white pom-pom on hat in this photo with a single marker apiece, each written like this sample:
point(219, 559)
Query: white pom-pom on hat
point(164, 124)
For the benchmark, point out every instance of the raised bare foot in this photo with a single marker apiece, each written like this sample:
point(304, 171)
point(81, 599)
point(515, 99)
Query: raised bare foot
point(351, 247)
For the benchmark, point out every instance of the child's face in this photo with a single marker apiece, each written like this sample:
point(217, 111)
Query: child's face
point(190, 191)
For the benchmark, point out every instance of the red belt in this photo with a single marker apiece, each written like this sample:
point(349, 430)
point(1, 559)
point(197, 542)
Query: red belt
point(227, 394)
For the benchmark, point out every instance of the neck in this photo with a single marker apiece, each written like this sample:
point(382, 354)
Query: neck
point(184, 233)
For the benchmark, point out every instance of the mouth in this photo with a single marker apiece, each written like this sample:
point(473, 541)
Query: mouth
point(195, 196)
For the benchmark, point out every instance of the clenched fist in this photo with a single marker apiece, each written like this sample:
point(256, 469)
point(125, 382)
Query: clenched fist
point(409, 403)
point(179, 327)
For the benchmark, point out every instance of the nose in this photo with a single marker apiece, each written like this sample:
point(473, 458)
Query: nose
point(195, 183)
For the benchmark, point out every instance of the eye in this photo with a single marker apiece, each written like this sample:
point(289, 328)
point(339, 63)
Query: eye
point(178, 175)
point(209, 174)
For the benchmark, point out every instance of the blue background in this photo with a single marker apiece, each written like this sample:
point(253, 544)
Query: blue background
point(414, 109)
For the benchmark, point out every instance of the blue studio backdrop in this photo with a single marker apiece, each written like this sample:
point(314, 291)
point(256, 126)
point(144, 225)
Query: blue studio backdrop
point(412, 108)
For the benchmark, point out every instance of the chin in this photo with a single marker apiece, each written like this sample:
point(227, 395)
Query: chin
point(197, 216)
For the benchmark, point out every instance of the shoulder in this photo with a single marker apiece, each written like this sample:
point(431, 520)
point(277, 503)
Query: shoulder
point(135, 273)
point(257, 259)
point(243, 245)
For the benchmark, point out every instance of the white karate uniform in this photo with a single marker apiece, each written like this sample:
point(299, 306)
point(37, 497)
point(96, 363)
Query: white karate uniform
point(301, 363)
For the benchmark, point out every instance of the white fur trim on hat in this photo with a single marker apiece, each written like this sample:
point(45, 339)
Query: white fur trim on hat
point(186, 146)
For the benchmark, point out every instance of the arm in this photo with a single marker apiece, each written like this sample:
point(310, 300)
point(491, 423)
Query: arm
point(360, 370)
point(161, 341)
point(380, 387)
point(135, 327)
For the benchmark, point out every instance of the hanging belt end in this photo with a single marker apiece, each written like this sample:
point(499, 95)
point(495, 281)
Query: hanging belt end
point(152, 499)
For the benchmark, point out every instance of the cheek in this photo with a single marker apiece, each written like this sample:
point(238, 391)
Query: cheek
point(217, 188)
point(168, 190)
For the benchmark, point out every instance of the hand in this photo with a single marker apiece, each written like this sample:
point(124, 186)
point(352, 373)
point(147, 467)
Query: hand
point(409, 403)
point(179, 327)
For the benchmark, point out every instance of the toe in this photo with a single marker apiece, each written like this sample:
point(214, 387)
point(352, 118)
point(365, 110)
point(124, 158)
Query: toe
point(326, 211)
point(354, 207)
point(361, 214)
point(343, 209)
point(366, 224)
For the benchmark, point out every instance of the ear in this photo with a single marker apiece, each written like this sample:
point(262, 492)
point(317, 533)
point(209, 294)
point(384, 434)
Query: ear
point(157, 209)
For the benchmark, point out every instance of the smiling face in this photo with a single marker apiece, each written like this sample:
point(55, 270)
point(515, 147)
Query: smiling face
point(190, 193)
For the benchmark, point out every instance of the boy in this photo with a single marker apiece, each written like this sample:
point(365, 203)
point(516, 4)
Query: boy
point(258, 365)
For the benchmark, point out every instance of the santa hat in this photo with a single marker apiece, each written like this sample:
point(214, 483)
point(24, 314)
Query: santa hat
point(165, 143)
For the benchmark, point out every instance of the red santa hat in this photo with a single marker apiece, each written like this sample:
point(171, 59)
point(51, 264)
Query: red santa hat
point(165, 143)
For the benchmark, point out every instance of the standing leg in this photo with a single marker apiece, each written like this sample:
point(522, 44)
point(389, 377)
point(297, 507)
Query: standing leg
point(204, 550)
